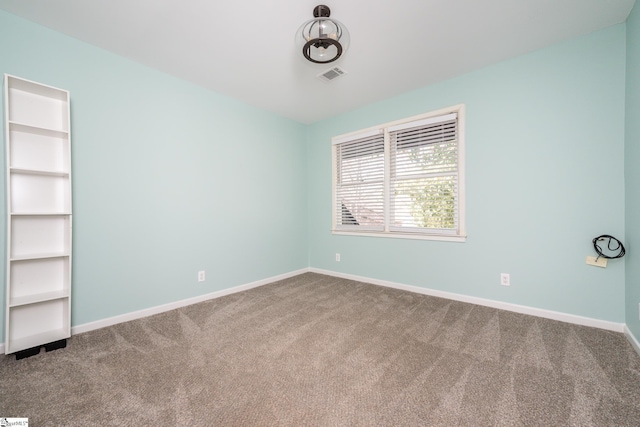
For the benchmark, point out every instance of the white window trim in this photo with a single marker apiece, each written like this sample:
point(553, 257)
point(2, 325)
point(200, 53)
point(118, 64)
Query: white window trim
point(461, 234)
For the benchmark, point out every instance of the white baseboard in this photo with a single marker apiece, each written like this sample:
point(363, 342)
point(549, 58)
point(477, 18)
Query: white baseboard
point(632, 339)
point(86, 327)
point(539, 312)
point(548, 314)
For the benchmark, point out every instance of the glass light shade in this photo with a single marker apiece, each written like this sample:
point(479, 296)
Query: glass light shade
point(322, 40)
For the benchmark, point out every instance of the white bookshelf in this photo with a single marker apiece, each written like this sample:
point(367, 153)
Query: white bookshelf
point(39, 220)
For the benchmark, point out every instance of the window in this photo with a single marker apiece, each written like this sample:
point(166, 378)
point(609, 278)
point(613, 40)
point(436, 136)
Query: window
point(402, 179)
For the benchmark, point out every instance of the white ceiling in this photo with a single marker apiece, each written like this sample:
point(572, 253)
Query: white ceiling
point(245, 49)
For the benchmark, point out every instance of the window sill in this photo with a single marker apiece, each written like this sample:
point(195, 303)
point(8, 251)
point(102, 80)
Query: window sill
point(397, 235)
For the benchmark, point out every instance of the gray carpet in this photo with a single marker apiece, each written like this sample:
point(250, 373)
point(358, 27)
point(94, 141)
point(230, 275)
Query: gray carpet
point(315, 350)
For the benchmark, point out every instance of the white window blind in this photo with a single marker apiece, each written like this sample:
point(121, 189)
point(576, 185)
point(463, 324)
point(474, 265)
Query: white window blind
point(402, 179)
point(424, 175)
point(359, 200)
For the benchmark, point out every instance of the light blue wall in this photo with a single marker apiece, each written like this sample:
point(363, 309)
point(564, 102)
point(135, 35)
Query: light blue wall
point(168, 179)
point(632, 172)
point(544, 175)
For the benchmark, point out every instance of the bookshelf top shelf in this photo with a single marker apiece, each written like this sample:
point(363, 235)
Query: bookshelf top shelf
point(24, 85)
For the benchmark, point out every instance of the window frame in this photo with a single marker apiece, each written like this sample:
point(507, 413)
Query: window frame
point(457, 235)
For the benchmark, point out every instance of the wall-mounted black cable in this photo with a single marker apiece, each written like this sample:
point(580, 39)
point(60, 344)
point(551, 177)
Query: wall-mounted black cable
point(619, 248)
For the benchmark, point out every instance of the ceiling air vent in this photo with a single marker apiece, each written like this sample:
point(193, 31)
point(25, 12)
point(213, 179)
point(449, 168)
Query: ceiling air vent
point(331, 74)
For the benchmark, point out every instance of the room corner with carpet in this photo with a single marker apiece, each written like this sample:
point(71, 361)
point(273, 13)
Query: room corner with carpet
point(319, 350)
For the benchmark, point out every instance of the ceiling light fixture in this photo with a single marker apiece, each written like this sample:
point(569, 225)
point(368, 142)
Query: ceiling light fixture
point(322, 39)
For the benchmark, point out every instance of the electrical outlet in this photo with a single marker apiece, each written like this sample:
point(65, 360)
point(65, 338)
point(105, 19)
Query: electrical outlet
point(337, 257)
point(505, 280)
point(200, 276)
point(597, 261)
